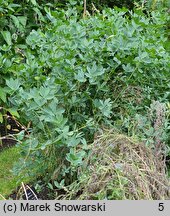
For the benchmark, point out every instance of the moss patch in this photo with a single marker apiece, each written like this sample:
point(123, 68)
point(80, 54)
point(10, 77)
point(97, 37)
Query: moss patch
point(8, 181)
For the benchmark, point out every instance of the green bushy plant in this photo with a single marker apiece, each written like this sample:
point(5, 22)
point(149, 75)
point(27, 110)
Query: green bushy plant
point(73, 76)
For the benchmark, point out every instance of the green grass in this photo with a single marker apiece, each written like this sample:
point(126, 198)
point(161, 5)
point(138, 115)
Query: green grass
point(8, 181)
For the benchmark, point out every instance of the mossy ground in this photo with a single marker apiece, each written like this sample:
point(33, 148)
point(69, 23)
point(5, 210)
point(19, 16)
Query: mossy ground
point(8, 181)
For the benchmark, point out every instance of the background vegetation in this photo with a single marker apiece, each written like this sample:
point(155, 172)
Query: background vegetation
point(67, 73)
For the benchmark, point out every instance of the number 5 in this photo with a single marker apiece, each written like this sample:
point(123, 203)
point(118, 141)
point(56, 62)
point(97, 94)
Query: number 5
point(161, 207)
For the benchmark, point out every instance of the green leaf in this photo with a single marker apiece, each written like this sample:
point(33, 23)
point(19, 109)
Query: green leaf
point(7, 37)
point(80, 76)
point(15, 21)
point(1, 118)
point(34, 2)
point(14, 112)
point(40, 101)
point(59, 185)
point(44, 92)
point(75, 158)
point(50, 186)
point(20, 135)
point(105, 106)
point(13, 84)
point(41, 17)
point(22, 20)
point(73, 141)
point(2, 95)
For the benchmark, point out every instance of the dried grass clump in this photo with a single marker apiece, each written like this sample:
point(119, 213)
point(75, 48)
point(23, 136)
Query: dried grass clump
point(119, 167)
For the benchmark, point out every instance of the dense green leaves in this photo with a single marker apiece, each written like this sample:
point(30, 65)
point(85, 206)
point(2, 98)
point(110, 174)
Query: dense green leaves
point(7, 37)
point(67, 76)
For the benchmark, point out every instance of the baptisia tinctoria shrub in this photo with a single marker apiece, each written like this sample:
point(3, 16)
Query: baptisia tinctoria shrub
point(74, 74)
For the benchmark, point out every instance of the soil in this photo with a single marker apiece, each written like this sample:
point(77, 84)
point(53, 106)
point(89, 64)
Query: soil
point(5, 141)
point(44, 194)
point(9, 127)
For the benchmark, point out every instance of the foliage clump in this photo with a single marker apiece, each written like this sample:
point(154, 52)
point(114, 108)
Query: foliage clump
point(63, 76)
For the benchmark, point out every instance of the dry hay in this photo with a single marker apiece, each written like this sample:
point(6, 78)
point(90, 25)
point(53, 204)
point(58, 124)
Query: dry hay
point(119, 167)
